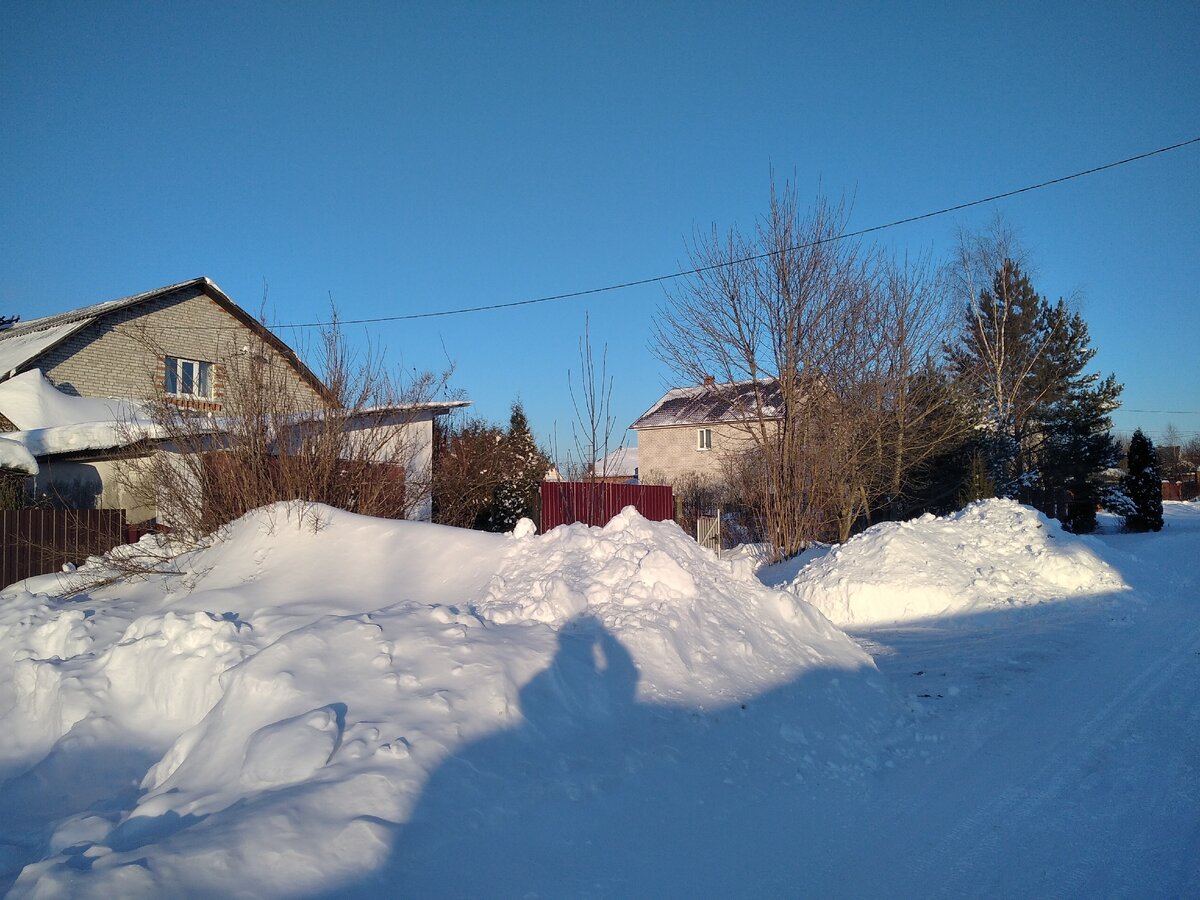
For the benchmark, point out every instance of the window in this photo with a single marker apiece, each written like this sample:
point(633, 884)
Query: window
point(704, 439)
point(187, 377)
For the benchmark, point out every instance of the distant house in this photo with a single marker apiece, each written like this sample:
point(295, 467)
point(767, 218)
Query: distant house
point(692, 431)
point(618, 467)
point(73, 385)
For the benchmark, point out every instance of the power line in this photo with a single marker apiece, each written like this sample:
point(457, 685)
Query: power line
point(658, 279)
point(1167, 412)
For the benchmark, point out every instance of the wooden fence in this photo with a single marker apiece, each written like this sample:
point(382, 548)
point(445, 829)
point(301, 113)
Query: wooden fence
point(40, 541)
point(595, 503)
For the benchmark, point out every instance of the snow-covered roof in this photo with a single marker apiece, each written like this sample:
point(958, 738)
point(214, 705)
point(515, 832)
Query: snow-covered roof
point(98, 309)
point(14, 455)
point(52, 422)
point(18, 349)
point(22, 343)
point(621, 462)
point(710, 404)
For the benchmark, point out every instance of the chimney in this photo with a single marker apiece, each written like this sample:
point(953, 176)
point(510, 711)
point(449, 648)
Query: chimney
point(709, 381)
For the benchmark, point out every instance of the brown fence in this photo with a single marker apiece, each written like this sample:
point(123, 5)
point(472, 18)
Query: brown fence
point(595, 503)
point(39, 541)
point(1181, 490)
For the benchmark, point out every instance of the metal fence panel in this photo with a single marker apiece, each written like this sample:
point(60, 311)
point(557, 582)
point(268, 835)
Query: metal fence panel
point(595, 503)
point(40, 541)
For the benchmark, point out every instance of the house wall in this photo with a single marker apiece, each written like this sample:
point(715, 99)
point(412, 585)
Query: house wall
point(669, 453)
point(411, 441)
point(89, 485)
point(122, 354)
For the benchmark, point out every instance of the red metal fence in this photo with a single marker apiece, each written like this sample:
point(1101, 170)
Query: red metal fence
point(595, 503)
point(40, 541)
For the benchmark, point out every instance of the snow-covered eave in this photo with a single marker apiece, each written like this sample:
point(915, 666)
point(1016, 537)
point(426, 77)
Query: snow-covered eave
point(64, 441)
point(437, 407)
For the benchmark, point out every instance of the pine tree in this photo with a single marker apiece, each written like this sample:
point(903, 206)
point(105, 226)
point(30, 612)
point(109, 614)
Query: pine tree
point(524, 467)
point(979, 485)
point(997, 359)
point(1143, 484)
point(1073, 444)
point(1045, 416)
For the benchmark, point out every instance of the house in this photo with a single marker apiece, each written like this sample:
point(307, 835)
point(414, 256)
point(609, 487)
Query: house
point(76, 389)
point(692, 432)
point(618, 467)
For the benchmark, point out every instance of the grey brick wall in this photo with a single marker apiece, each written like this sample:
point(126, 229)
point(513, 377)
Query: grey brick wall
point(669, 453)
point(122, 354)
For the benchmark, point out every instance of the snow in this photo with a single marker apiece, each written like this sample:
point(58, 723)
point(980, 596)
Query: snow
point(289, 721)
point(623, 462)
point(993, 553)
point(374, 708)
point(18, 349)
point(15, 456)
point(52, 422)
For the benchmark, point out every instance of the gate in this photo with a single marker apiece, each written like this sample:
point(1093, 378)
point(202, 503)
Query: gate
point(708, 532)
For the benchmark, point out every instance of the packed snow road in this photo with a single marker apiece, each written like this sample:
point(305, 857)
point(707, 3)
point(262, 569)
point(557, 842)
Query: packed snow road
point(1062, 742)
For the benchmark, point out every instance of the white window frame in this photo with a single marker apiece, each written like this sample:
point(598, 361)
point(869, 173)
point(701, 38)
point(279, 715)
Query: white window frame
point(176, 369)
point(703, 438)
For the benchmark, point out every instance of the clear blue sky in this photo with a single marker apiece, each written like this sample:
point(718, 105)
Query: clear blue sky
point(405, 157)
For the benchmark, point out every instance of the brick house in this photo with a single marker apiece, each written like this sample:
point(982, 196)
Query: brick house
point(691, 432)
point(180, 343)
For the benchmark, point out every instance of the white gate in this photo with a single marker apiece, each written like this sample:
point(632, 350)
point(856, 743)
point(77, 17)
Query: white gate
point(708, 532)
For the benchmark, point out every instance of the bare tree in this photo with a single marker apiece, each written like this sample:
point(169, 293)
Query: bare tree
point(349, 444)
point(829, 355)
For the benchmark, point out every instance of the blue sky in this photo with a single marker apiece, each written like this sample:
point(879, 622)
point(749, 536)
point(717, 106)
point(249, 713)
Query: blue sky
point(404, 158)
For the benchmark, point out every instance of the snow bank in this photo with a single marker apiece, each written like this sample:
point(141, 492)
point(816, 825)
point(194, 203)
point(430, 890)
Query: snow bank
point(993, 553)
point(29, 401)
point(267, 722)
point(51, 422)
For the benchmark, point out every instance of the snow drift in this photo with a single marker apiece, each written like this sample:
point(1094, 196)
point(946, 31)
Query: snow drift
point(291, 714)
point(993, 553)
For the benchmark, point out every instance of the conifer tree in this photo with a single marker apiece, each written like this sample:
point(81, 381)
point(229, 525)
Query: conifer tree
point(997, 359)
point(1073, 444)
point(524, 467)
point(1143, 484)
point(1045, 416)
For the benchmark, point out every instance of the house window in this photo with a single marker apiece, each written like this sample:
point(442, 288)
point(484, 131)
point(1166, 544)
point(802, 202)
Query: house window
point(704, 439)
point(187, 377)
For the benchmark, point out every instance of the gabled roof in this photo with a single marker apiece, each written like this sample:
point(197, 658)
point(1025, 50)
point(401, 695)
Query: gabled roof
point(24, 342)
point(711, 404)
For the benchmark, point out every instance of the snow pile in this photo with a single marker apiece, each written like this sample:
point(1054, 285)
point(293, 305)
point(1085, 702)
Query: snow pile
point(700, 629)
point(284, 716)
point(50, 421)
point(994, 553)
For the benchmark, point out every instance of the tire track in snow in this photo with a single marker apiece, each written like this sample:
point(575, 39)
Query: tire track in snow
point(976, 839)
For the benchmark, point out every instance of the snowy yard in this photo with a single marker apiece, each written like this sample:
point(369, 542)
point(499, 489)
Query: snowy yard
point(397, 709)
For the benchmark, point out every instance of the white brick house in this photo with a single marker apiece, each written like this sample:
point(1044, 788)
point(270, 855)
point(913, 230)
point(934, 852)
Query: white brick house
point(176, 343)
point(693, 431)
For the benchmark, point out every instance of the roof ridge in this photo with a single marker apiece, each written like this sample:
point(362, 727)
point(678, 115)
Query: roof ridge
point(95, 309)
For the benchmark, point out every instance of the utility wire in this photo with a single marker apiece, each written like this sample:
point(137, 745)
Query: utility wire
point(657, 279)
point(1168, 412)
